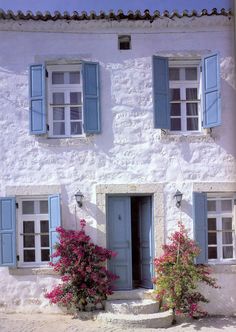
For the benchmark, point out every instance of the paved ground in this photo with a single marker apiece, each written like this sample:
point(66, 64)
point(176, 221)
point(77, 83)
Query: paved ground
point(61, 323)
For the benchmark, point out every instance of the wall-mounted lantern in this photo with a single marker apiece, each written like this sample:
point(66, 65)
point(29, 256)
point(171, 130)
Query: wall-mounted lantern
point(178, 197)
point(79, 198)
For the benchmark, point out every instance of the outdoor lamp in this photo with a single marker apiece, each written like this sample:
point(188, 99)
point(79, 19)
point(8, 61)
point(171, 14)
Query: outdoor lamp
point(178, 197)
point(79, 198)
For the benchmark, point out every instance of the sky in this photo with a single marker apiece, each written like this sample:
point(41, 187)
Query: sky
point(106, 5)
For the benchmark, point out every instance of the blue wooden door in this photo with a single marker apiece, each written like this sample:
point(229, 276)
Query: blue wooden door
point(119, 240)
point(145, 226)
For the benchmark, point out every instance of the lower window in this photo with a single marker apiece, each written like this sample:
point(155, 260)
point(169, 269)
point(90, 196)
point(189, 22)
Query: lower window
point(221, 233)
point(33, 232)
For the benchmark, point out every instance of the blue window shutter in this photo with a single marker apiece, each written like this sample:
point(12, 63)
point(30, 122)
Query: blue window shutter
point(54, 218)
point(92, 112)
point(37, 99)
point(7, 231)
point(200, 225)
point(161, 93)
point(211, 91)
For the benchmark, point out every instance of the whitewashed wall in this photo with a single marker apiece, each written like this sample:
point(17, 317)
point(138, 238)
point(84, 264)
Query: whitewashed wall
point(129, 150)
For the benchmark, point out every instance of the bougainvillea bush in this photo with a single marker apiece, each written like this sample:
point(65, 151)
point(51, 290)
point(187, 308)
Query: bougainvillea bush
point(177, 277)
point(81, 264)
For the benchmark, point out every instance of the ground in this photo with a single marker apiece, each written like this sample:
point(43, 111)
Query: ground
point(62, 323)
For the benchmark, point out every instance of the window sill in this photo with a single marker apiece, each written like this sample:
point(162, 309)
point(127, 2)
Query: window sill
point(22, 271)
point(226, 267)
point(204, 136)
point(64, 141)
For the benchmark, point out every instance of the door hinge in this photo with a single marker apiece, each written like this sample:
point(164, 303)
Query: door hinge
point(48, 127)
point(17, 206)
point(17, 258)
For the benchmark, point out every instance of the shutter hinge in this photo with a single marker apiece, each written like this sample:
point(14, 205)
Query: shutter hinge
point(17, 258)
point(17, 205)
point(48, 127)
point(235, 201)
point(200, 68)
point(46, 73)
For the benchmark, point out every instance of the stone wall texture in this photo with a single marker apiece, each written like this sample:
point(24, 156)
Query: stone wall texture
point(129, 150)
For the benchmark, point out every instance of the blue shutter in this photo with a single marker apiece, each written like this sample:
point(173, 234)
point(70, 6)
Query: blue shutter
point(37, 99)
point(7, 231)
point(161, 93)
point(54, 218)
point(92, 114)
point(211, 91)
point(200, 225)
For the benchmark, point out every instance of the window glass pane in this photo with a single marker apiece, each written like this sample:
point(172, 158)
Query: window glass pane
point(175, 109)
point(75, 98)
point(76, 128)
point(175, 124)
point(43, 206)
point(191, 94)
point(227, 223)
point(191, 74)
point(192, 108)
point(58, 98)
point(228, 252)
point(226, 205)
point(29, 256)
point(58, 113)
point(174, 74)
point(174, 94)
point(212, 238)
point(192, 123)
point(212, 252)
point(29, 241)
point(75, 113)
point(74, 77)
point(44, 240)
point(44, 226)
point(45, 255)
point(28, 207)
point(58, 128)
point(28, 227)
point(211, 205)
point(57, 77)
point(212, 224)
point(227, 238)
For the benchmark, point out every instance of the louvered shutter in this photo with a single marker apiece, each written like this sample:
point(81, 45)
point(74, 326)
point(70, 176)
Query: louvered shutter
point(211, 91)
point(54, 219)
point(37, 99)
point(161, 93)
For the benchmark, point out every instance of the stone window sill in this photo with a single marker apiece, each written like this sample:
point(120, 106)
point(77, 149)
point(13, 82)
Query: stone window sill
point(67, 141)
point(32, 271)
point(226, 268)
point(205, 136)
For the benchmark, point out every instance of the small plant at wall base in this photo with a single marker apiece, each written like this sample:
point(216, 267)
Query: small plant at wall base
point(177, 277)
point(85, 279)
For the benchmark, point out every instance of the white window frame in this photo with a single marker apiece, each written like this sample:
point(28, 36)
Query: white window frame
point(218, 215)
point(66, 89)
point(182, 85)
point(36, 217)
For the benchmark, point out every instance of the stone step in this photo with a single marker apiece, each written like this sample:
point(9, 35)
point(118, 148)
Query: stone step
point(156, 320)
point(134, 294)
point(134, 307)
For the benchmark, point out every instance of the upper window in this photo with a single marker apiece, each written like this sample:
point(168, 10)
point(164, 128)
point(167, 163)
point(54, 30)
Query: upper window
point(184, 96)
point(65, 100)
point(186, 93)
point(220, 224)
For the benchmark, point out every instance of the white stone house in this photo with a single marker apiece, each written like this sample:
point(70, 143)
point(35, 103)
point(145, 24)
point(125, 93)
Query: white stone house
point(128, 109)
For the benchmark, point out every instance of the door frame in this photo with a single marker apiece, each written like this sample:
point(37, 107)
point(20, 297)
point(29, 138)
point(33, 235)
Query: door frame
point(147, 189)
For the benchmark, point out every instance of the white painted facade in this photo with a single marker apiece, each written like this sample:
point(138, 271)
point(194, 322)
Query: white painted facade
point(129, 156)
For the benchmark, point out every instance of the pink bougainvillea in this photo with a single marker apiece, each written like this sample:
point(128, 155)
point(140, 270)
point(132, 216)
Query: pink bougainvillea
point(178, 277)
point(85, 279)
